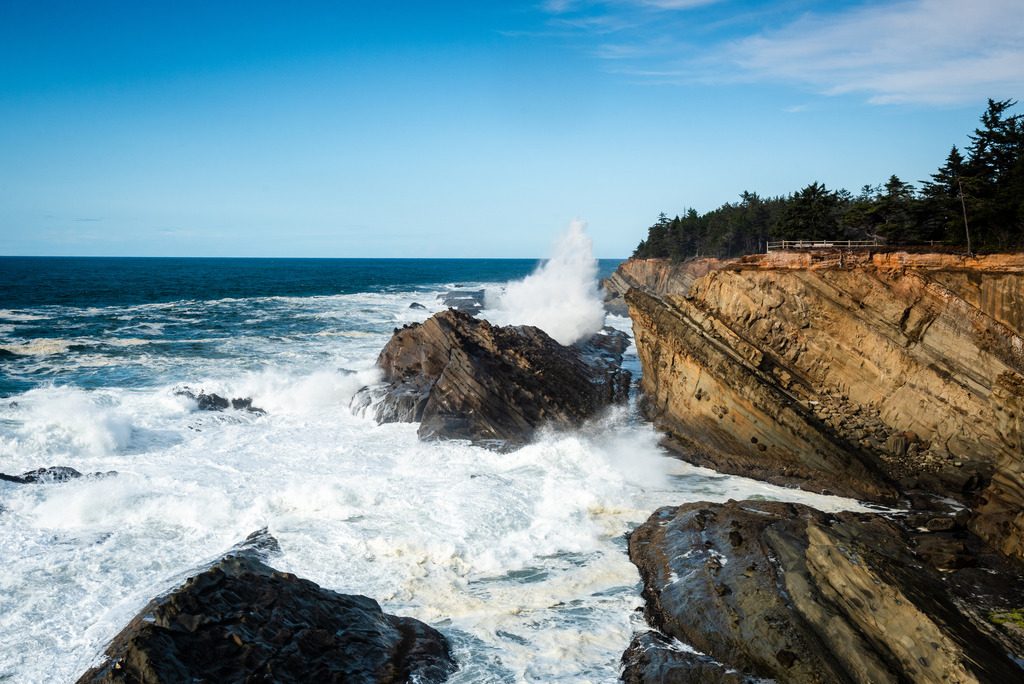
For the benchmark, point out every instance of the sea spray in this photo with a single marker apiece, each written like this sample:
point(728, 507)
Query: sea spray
point(561, 297)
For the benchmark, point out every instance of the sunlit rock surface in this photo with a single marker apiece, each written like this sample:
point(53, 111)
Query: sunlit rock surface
point(870, 375)
point(782, 591)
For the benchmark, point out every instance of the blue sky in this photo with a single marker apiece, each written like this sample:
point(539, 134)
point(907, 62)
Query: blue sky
point(472, 129)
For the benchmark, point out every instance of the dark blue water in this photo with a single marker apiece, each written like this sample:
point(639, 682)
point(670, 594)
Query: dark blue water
point(141, 322)
point(105, 281)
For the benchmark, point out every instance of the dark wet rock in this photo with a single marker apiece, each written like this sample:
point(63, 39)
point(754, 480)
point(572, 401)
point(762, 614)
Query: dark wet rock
point(653, 657)
point(786, 592)
point(50, 475)
point(241, 620)
point(463, 378)
point(466, 301)
point(215, 402)
point(418, 306)
point(260, 543)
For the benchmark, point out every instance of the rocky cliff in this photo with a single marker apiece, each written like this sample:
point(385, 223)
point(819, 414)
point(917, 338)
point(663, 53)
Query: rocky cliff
point(876, 375)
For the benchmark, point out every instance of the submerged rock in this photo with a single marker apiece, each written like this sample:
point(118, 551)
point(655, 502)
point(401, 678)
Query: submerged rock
point(466, 301)
point(242, 621)
point(417, 306)
point(783, 591)
point(463, 378)
point(51, 474)
point(215, 402)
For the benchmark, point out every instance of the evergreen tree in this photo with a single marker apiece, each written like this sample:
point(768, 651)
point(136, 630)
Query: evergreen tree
point(812, 213)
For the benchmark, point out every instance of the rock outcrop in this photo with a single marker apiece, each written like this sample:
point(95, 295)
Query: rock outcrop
point(242, 621)
point(873, 375)
point(467, 301)
point(463, 378)
point(662, 276)
point(782, 591)
point(215, 402)
point(50, 475)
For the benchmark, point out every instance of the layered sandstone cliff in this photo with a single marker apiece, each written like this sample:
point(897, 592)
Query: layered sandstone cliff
point(871, 375)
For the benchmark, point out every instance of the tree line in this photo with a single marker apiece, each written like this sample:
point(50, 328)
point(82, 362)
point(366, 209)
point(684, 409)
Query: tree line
point(984, 190)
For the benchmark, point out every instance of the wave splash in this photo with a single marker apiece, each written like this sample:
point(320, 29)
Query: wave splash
point(561, 297)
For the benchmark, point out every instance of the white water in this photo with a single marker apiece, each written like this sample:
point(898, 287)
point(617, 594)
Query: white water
point(518, 558)
point(561, 297)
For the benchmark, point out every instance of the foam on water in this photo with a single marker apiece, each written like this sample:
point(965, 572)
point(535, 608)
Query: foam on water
point(519, 558)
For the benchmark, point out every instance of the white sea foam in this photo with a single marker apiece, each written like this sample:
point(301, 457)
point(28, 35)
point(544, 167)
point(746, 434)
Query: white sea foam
point(519, 558)
point(43, 346)
point(67, 420)
point(561, 297)
point(21, 316)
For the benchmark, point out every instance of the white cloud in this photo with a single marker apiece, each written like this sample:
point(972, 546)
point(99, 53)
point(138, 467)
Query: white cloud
point(931, 52)
point(924, 51)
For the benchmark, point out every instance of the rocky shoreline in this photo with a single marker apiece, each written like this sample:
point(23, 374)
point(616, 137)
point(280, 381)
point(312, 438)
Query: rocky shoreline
point(892, 378)
point(889, 377)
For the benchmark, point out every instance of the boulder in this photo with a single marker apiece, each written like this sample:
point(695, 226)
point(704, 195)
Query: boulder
point(463, 378)
point(782, 591)
point(240, 620)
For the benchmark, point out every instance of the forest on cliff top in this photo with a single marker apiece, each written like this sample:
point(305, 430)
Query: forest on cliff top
point(984, 190)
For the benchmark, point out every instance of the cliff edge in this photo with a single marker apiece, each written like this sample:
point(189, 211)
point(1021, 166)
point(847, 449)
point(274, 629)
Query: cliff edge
point(879, 375)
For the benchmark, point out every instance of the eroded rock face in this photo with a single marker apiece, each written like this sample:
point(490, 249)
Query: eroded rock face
point(50, 475)
point(786, 592)
point(242, 621)
point(870, 375)
point(463, 378)
point(657, 275)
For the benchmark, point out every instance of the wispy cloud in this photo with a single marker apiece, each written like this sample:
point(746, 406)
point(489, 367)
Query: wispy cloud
point(925, 51)
point(931, 52)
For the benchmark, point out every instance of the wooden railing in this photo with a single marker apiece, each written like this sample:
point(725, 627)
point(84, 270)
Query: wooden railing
point(820, 244)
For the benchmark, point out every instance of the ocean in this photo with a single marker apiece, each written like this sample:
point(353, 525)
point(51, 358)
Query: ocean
point(518, 558)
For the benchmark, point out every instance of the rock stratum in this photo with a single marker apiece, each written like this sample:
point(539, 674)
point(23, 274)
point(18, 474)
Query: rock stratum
point(882, 376)
point(785, 592)
point(462, 378)
point(240, 620)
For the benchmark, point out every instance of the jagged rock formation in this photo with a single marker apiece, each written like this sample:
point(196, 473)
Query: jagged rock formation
point(50, 475)
point(782, 591)
point(242, 621)
point(215, 402)
point(463, 378)
point(656, 275)
point(871, 375)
